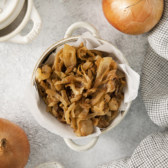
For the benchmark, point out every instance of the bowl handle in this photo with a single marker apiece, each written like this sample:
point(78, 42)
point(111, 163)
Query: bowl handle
point(33, 33)
point(78, 25)
point(70, 143)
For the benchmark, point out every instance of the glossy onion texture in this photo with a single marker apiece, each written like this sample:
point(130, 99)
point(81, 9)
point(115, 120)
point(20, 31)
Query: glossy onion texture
point(133, 16)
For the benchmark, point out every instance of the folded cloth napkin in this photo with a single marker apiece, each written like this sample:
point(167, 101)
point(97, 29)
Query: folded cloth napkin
point(152, 152)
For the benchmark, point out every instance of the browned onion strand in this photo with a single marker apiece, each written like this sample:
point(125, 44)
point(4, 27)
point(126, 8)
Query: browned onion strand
point(81, 88)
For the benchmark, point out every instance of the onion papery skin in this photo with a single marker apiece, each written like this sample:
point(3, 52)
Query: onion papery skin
point(133, 16)
point(14, 145)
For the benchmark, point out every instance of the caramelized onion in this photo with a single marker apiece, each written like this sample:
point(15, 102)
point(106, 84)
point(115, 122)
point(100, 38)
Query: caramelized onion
point(133, 16)
point(83, 90)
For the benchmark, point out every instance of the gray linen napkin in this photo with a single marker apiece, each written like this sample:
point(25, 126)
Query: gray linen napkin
point(152, 152)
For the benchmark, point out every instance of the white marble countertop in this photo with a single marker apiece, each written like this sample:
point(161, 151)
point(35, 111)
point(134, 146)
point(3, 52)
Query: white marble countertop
point(17, 62)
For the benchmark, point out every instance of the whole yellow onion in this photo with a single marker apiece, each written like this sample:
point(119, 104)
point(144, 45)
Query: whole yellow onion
point(133, 16)
point(14, 145)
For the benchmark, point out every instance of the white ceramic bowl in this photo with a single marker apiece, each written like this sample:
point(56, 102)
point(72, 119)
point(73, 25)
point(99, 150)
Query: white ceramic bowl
point(68, 38)
point(10, 11)
point(15, 36)
point(50, 165)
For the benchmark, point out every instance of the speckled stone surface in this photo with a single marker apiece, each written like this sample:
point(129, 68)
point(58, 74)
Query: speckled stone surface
point(16, 66)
